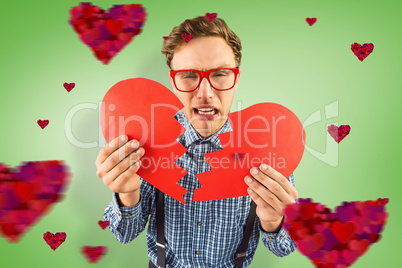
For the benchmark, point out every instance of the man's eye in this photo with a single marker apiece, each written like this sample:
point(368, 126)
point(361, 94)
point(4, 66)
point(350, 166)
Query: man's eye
point(188, 75)
point(220, 73)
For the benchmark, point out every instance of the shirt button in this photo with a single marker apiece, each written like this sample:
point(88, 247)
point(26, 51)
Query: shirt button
point(199, 223)
point(270, 238)
point(118, 213)
point(204, 160)
point(281, 237)
point(197, 252)
point(128, 214)
point(118, 229)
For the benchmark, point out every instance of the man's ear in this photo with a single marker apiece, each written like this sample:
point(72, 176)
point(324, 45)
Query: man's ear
point(238, 77)
point(171, 82)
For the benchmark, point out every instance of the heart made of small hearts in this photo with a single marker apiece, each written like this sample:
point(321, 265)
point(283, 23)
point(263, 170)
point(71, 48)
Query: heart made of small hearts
point(103, 224)
point(54, 240)
point(143, 110)
point(338, 133)
point(43, 123)
point(27, 193)
point(107, 33)
point(311, 21)
point(362, 51)
point(69, 86)
point(335, 239)
point(93, 254)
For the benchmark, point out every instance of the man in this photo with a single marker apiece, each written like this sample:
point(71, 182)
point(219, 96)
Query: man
point(205, 74)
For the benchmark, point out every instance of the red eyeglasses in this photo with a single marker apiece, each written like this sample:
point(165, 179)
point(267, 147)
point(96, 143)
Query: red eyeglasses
point(220, 79)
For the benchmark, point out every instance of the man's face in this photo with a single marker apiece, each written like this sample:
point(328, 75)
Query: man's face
point(202, 54)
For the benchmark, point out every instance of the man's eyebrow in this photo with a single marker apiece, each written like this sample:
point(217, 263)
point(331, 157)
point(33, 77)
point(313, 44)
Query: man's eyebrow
point(203, 69)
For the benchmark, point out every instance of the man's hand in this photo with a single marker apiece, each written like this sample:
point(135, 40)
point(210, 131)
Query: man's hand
point(271, 192)
point(117, 164)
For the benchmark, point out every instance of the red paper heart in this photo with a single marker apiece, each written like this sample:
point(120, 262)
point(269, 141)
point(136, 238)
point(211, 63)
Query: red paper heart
point(165, 37)
point(43, 123)
point(362, 51)
point(311, 21)
point(143, 109)
point(54, 240)
point(93, 254)
point(338, 133)
point(99, 29)
point(27, 193)
point(211, 16)
point(103, 224)
point(343, 242)
point(69, 86)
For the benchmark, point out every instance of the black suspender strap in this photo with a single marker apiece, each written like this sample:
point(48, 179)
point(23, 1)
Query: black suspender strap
point(241, 251)
point(160, 236)
point(160, 225)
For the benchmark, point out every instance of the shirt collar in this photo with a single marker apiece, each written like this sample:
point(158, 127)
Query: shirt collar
point(191, 136)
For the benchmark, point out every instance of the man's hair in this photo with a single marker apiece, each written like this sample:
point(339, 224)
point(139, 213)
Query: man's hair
point(201, 27)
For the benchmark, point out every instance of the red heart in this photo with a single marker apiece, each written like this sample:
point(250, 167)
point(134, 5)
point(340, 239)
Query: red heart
point(143, 109)
point(338, 133)
point(103, 224)
point(311, 21)
point(43, 123)
point(165, 37)
point(342, 242)
point(362, 51)
point(69, 87)
point(343, 231)
point(27, 194)
point(93, 254)
point(211, 16)
point(54, 240)
point(96, 27)
point(187, 37)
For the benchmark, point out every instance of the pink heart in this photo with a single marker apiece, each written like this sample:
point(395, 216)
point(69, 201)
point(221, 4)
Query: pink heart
point(343, 242)
point(362, 51)
point(95, 26)
point(43, 123)
point(54, 240)
point(103, 224)
point(211, 16)
point(338, 133)
point(93, 254)
point(187, 37)
point(23, 199)
point(311, 21)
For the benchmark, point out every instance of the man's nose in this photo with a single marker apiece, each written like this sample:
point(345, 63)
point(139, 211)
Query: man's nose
point(205, 90)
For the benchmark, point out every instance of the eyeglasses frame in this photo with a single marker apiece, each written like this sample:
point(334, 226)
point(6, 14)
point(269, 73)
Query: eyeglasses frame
point(203, 74)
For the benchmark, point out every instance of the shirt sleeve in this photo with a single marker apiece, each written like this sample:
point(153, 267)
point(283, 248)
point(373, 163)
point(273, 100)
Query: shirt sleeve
point(279, 243)
point(126, 223)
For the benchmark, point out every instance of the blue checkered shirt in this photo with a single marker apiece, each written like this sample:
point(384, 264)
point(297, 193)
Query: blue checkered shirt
point(199, 234)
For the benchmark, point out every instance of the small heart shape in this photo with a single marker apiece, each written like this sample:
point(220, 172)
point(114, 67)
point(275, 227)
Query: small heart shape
point(93, 254)
point(187, 37)
point(311, 21)
point(165, 37)
point(103, 224)
point(362, 51)
point(69, 86)
point(211, 16)
point(43, 123)
point(54, 240)
point(338, 133)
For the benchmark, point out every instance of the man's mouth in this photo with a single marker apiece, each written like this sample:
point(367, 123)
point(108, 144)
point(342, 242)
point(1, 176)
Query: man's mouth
point(208, 111)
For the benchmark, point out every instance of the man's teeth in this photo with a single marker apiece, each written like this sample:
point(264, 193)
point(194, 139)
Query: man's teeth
point(206, 111)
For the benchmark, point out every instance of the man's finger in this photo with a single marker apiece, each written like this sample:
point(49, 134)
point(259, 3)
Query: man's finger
point(279, 178)
point(109, 148)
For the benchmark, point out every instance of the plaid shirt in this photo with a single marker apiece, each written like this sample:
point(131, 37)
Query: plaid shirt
point(199, 234)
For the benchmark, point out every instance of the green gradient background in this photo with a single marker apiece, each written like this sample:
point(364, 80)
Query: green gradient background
point(284, 61)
